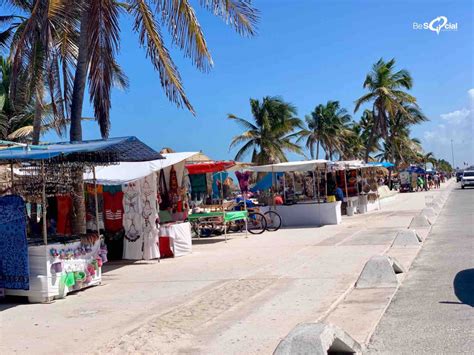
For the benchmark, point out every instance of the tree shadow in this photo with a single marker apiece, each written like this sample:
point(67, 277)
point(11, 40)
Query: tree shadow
point(464, 287)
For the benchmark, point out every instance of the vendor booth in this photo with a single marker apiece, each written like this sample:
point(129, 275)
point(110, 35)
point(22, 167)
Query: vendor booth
point(151, 190)
point(305, 199)
point(209, 211)
point(41, 257)
point(359, 182)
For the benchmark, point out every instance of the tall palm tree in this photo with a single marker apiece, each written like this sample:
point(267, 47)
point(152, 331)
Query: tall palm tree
point(327, 127)
point(386, 91)
point(100, 38)
point(270, 135)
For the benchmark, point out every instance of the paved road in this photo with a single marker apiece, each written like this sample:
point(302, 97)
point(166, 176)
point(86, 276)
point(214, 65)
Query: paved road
point(433, 309)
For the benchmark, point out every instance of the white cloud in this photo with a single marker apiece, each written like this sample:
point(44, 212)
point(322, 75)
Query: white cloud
point(457, 116)
point(457, 126)
point(470, 92)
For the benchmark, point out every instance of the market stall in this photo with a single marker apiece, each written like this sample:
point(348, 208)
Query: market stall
point(312, 206)
point(154, 189)
point(218, 211)
point(41, 257)
point(359, 182)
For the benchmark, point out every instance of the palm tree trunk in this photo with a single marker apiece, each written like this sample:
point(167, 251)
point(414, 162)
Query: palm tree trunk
point(317, 150)
point(80, 79)
point(37, 120)
point(370, 142)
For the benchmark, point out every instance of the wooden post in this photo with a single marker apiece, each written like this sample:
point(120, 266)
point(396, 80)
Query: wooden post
point(345, 182)
point(96, 202)
point(314, 186)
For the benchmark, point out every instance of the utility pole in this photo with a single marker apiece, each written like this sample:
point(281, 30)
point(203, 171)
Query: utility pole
point(452, 154)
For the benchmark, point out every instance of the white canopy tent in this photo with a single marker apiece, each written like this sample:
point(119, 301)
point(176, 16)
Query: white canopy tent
point(126, 172)
point(303, 165)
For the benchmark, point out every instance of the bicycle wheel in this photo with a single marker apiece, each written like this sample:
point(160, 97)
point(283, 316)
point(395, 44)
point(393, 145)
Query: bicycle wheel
point(256, 223)
point(273, 221)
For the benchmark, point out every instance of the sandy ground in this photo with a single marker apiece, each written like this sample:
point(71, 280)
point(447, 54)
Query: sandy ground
point(237, 297)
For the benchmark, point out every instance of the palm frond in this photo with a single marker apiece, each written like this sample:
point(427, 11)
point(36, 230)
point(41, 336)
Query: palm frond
point(150, 37)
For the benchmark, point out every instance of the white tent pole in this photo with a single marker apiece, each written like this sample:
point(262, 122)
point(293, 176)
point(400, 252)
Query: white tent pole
point(43, 209)
point(244, 194)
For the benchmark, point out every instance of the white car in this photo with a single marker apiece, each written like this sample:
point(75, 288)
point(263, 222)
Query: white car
point(467, 178)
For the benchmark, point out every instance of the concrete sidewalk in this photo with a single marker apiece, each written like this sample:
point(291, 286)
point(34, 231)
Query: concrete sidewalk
point(239, 297)
point(432, 311)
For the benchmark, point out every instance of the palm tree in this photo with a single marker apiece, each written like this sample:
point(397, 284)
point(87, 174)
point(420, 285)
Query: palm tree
point(17, 121)
point(385, 87)
point(354, 144)
point(427, 158)
point(399, 143)
point(327, 126)
point(100, 38)
point(270, 135)
point(42, 48)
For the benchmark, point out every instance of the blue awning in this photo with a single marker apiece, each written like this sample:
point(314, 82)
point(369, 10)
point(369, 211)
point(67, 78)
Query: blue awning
point(124, 149)
point(384, 164)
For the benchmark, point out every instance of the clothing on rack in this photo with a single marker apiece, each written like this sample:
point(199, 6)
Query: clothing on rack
point(113, 210)
point(243, 179)
point(91, 217)
point(14, 267)
point(198, 186)
point(149, 215)
point(63, 226)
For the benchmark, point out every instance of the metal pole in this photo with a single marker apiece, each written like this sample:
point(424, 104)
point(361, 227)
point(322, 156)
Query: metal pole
point(43, 207)
point(345, 182)
point(96, 202)
point(244, 194)
point(223, 212)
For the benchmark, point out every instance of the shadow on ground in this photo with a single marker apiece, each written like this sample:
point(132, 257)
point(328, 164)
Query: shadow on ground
point(464, 287)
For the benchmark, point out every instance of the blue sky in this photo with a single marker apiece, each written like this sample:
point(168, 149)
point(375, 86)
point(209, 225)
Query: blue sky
point(308, 52)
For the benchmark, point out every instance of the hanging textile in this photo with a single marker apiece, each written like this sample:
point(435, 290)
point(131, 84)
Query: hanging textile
point(91, 217)
point(198, 186)
point(139, 219)
point(113, 209)
point(217, 180)
point(132, 249)
point(309, 186)
point(173, 192)
point(63, 226)
point(243, 179)
point(14, 269)
point(163, 191)
point(149, 215)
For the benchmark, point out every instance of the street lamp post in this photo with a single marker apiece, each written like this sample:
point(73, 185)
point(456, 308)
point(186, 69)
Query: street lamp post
point(452, 153)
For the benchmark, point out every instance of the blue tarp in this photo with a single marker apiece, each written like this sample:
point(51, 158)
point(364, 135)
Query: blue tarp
point(416, 169)
point(384, 164)
point(265, 183)
point(117, 149)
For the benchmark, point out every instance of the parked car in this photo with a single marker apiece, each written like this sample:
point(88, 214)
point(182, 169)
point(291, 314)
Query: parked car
point(467, 178)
